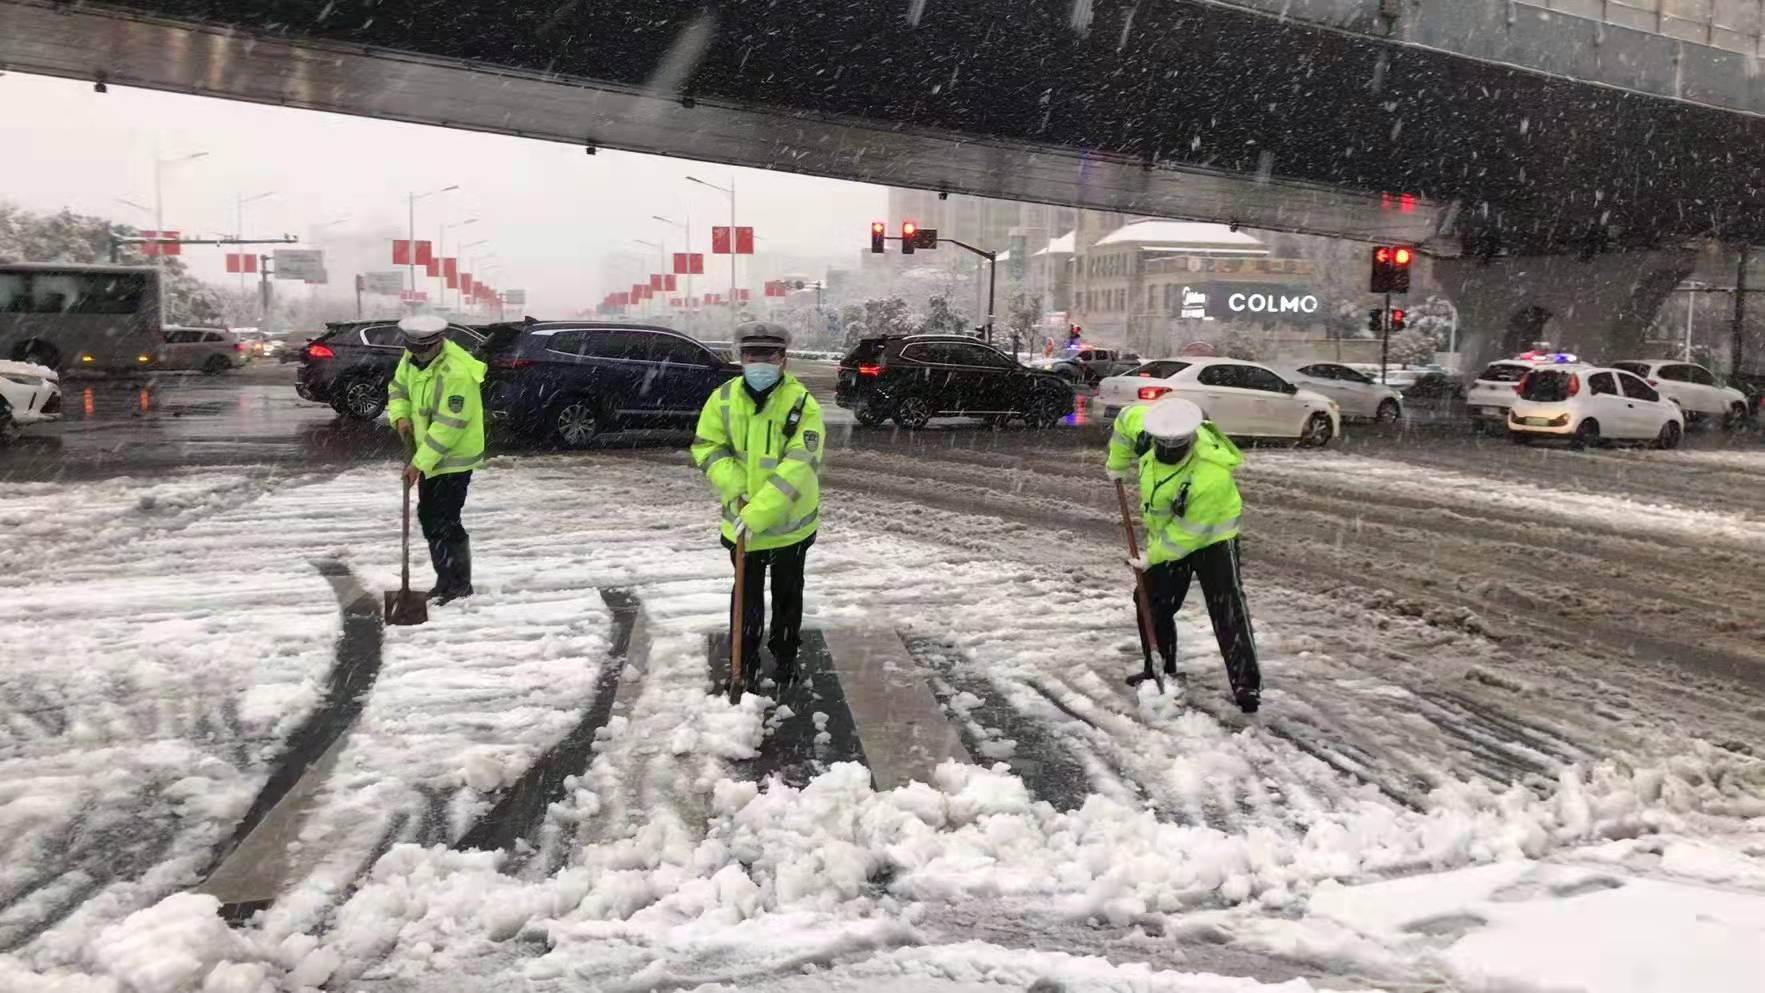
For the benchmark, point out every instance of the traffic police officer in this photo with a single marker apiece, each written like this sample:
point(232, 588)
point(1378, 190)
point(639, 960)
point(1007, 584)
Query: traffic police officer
point(1191, 507)
point(760, 442)
point(435, 402)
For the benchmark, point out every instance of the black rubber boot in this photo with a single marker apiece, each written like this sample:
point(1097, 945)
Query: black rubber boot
point(456, 580)
point(1249, 700)
point(437, 560)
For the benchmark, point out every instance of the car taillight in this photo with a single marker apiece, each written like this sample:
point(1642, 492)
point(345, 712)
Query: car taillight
point(1153, 392)
point(870, 370)
point(1574, 383)
point(238, 346)
point(320, 352)
point(510, 363)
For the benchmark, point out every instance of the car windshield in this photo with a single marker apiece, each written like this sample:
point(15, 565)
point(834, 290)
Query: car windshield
point(1160, 369)
point(1548, 385)
point(1504, 372)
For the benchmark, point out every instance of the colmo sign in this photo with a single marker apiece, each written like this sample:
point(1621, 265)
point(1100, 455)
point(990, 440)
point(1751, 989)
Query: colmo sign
point(1272, 303)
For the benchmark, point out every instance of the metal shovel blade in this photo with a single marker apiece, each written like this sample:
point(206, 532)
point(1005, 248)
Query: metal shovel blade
point(406, 607)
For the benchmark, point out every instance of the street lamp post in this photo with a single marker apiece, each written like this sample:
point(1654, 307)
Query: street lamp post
point(239, 228)
point(412, 242)
point(728, 191)
point(479, 268)
point(686, 230)
point(159, 165)
point(661, 256)
point(441, 252)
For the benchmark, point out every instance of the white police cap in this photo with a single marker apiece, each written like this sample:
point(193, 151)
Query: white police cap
point(762, 334)
point(1172, 419)
point(422, 328)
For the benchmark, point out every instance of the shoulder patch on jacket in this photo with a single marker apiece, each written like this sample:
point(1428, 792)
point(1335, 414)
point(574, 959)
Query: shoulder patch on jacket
point(811, 440)
point(456, 403)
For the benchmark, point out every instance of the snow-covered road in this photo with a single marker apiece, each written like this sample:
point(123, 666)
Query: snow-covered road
point(175, 634)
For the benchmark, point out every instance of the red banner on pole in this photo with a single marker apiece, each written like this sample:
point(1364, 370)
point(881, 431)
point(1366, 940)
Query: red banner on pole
point(744, 241)
point(241, 262)
point(668, 284)
point(743, 294)
point(450, 268)
point(425, 253)
point(401, 252)
point(638, 290)
point(719, 241)
point(453, 278)
point(161, 243)
point(655, 280)
point(433, 268)
point(675, 302)
point(465, 284)
point(689, 263)
point(698, 264)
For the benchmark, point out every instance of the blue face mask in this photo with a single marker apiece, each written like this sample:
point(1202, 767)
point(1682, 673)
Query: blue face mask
point(761, 376)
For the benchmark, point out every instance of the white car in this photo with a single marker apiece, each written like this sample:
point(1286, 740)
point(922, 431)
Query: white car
point(29, 394)
point(1356, 393)
point(1494, 390)
point(1245, 399)
point(1693, 387)
point(1590, 404)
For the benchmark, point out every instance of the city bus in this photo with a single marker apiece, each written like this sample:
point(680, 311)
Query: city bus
point(75, 316)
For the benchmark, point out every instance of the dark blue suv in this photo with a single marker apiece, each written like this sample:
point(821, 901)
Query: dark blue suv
point(567, 381)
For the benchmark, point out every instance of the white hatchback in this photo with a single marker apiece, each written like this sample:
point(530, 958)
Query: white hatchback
point(1245, 399)
point(1589, 404)
point(1693, 387)
point(29, 394)
point(1353, 390)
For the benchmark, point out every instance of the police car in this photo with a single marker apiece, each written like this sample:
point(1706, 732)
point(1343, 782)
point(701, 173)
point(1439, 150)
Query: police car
point(1489, 398)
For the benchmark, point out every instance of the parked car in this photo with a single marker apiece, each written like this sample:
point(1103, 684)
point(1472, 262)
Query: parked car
point(568, 381)
point(350, 364)
point(29, 394)
point(1753, 385)
point(1356, 393)
point(210, 350)
point(1435, 397)
point(1587, 405)
point(1245, 399)
point(1693, 387)
point(918, 377)
point(1494, 390)
point(1089, 366)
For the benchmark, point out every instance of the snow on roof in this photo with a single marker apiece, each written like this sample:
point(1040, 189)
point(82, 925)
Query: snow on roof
point(1062, 245)
point(1181, 233)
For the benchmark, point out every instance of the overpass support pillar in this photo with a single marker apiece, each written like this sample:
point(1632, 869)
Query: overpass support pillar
point(1598, 307)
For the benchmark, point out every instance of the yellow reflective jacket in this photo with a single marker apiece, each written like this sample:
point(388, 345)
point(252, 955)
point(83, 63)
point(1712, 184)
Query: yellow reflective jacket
point(1186, 507)
point(445, 405)
point(746, 456)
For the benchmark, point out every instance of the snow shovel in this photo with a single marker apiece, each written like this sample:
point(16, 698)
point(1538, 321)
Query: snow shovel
point(403, 605)
point(1145, 601)
point(735, 625)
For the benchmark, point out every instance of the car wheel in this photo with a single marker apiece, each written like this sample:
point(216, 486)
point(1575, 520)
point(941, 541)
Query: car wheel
point(1047, 410)
point(1389, 412)
point(1586, 433)
point(215, 365)
point(870, 412)
point(913, 412)
point(361, 398)
point(1736, 419)
point(576, 423)
point(1317, 432)
point(1669, 436)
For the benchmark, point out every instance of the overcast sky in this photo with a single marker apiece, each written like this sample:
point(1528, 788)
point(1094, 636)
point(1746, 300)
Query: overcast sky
point(551, 213)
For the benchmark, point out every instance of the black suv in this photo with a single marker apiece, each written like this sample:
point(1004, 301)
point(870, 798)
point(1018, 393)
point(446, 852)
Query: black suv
point(917, 378)
point(568, 381)
point(350, 364)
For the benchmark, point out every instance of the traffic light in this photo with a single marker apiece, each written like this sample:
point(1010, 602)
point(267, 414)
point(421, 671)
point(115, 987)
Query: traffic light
point(1391, 268)
point(1374, 322)
point(909, 235)
point(1396, 319)
point(878, 231)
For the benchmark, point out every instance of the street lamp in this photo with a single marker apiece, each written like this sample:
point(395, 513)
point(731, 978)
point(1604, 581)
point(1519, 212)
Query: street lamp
point(143, 208)
point(412, 242)
point(686, 231)
point(478, 266)
point(159, 165)
point(441, 251)
point(728, 191)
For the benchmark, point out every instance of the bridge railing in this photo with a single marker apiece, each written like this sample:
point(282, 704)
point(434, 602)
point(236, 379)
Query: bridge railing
point(1730, 25)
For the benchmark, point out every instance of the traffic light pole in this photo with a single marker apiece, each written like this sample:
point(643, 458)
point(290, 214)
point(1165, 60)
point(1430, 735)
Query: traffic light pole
point(1385, 342)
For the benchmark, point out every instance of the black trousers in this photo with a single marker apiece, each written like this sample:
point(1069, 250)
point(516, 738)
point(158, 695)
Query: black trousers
point(787, 601)
point(439, 502)
point(1222, 586)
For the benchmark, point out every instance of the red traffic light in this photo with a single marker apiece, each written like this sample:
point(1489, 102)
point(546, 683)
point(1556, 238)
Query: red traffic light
point(1382, 255)
point(1401, 255)
point(878, 231)
point(908, 228)
point(909, 233)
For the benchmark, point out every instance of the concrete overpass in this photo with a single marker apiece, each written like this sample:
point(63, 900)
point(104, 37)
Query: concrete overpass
point(1319, 121)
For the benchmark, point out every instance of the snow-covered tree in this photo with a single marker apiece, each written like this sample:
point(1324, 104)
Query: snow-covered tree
point(940, 319)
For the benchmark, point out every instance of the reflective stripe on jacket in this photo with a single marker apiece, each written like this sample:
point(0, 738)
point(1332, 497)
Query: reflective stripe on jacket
point(1202, 487)
point(445, 405)
point(745, 455)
